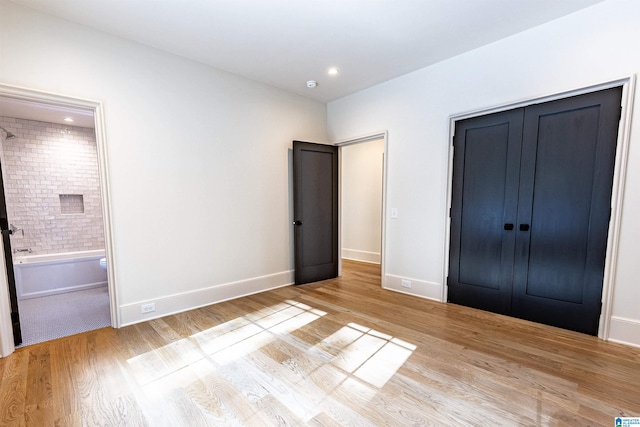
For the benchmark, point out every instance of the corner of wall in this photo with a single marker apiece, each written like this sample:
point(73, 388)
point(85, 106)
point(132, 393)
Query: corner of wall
point(625, 331)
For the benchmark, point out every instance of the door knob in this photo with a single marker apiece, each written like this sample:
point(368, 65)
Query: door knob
point(508, 226)
point(298, 222)
point(524, 227)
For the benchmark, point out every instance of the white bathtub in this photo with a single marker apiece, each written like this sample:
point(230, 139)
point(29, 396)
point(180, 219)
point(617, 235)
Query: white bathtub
point(41, 275)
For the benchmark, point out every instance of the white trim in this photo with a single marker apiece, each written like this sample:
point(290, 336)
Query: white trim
point(103, 169)
point(447, 213)
point(619, 176)
point(6, 328)
point(427, 290)
point(617, 193)
point(542, 98)
point(361, 256)
point(177, 303)
point(364, 138)
point(26, 94)
point(624, 331)
point(385, 167)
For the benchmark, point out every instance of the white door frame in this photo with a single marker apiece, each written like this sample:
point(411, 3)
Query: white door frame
point(628, 84)
point(357, 140)
point(20, 93)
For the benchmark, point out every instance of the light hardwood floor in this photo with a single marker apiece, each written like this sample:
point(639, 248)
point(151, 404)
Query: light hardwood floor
point(340, 352)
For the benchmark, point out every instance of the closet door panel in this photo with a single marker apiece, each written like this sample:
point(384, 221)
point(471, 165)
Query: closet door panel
point(484, 199)
point(560, 210)
point(483, 193)
point(564, 205)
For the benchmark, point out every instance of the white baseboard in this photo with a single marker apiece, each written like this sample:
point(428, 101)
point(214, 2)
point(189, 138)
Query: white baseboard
point(362, 256)
point(624, 331)
point(419, 288)
point(172, 304)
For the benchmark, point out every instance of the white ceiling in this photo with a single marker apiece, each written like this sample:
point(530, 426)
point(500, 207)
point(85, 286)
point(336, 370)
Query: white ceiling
point(284, 43)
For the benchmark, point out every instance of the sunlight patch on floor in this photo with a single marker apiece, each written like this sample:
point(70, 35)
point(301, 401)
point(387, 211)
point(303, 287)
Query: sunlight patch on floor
point(362, 359)
point(224, 343)
point(368, 354)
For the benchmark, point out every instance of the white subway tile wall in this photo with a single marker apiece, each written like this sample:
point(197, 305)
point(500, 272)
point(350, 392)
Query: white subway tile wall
point(43, 162)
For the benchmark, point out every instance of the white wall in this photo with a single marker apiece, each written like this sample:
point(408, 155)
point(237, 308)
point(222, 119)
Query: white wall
point(596, 45)
point(361, 198)
point(198, 160)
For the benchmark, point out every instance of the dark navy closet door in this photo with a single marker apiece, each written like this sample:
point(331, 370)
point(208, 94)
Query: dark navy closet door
point(568, 153)
point(530, 211)
point(483, 210)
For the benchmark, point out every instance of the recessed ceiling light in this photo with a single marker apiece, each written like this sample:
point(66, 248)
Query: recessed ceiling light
point(333, 71)
point(312, 83)
point(68, 119)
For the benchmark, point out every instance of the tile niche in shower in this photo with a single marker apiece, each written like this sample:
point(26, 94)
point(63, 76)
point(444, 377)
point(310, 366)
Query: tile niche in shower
point(71, 204)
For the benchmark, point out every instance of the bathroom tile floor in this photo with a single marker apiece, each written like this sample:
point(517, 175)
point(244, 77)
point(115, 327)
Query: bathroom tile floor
point(55, 316)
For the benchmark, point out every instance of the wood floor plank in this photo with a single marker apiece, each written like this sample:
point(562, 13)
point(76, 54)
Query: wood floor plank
point(39, 397)
point(338, 352)
point(236, 408)
point(13, 390)
point(65, 376)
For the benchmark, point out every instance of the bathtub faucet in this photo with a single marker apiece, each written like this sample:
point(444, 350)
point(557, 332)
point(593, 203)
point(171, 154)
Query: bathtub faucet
point(15, 251)
point(15, 229)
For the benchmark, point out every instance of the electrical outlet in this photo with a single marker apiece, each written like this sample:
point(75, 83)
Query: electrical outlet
point(148, 308)
point(406, 283)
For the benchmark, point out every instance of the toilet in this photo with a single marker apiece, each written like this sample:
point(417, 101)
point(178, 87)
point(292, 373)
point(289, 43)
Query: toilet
point(103, 263)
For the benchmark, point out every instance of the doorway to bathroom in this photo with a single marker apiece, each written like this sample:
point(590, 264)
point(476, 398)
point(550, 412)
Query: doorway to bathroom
point(52, 186)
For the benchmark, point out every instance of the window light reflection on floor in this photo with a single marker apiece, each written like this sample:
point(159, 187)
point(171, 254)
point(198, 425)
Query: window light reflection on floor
point(368, 354)
point(356, 359)
point(223, 343)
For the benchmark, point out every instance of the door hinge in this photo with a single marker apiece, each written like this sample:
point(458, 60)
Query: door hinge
point(620, 114)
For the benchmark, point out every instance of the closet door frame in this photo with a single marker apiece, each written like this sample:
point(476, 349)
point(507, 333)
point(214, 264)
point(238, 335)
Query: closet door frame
point(619, 178)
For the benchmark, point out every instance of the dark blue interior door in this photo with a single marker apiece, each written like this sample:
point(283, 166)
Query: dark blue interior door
point(483, 210)
point(564, 209)
point(530, 209)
